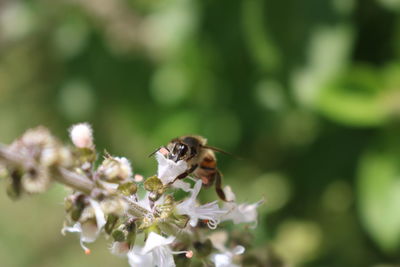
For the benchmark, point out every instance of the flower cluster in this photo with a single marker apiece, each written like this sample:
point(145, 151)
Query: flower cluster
point(142, 217)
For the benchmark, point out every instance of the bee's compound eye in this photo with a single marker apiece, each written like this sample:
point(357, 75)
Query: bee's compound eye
point(183, 149)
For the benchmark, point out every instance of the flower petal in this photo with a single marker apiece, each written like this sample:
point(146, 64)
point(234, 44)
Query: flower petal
point(163, 257)
point(210, 211)
point(238, 250)
point(98, 212)
point(229, 195)
point(119, 248)
point(137, 259)
point(155, 240)
point(182, 185)
point(168, 170)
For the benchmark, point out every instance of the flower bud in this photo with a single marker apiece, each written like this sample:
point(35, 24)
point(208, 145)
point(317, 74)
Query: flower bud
point(154, 196)
point(128, 188)
point(125, 232)
point(74, 206)
point(112, 205)
point(115, 169)
point(14, 185)
point(203, 249)
point(131, 227)
point(111, 223)
point(35, 180)
point(82, 135)
point(153, 184)
point(138, 178)
point(165, 210)
point(181, 220)
point(85, 157)
point(119, 234)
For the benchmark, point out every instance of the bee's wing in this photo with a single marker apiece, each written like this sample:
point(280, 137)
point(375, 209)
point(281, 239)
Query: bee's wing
point(221, 151)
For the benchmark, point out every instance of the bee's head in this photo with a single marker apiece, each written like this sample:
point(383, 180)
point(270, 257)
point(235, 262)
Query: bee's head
point(180, 151)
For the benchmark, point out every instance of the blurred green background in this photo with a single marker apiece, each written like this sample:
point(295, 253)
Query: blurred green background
point(306, 92)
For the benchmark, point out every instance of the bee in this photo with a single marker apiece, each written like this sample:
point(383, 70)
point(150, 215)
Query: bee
point(200, 158)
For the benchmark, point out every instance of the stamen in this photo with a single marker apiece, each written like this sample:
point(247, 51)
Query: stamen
point(212, 224)
point(189, 254)
point(85, 248)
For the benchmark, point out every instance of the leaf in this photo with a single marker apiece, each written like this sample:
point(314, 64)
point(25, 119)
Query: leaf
point(379, 197)
point(354, 99)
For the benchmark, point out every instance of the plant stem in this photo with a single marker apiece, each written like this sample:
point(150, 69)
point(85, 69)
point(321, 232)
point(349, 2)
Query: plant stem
point(74, 180)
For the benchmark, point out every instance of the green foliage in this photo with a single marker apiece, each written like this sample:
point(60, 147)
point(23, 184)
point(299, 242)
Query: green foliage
point(301, 90)
point(379, 197)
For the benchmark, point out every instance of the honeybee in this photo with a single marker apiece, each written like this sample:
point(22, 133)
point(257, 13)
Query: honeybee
point(200, 158)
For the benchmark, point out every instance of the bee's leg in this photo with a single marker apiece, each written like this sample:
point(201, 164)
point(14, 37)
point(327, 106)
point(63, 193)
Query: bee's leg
point(218, 186)
point(185, 174)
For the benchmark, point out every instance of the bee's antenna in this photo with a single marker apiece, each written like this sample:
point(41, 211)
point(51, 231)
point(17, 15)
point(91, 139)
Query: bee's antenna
point(158, 149)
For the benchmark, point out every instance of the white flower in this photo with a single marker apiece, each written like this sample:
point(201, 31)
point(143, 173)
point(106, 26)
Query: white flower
point(225, 258)
point(88, 230)
point(156, 252)
point(119, 248)
point(158, 246)
point(82, 135)
point(137, 259)
point(145, 202)
point(181, 185)
point(125, 171)
point(239, 213)
point(115, 169)
point(210, 211)
point(168, 169)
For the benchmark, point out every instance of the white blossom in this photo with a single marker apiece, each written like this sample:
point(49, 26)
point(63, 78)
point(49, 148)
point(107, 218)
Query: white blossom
point(158, 246)
point(120, 248)
point(181, 185)
point(210, 211)
point(144, 202)
point(82, 135)
point(125, 167)
point(115, 169)
point(239, 213)
point(137, 259)
point(88, 230)
point(156, 252)
point(168, 169)
point(225, 258)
